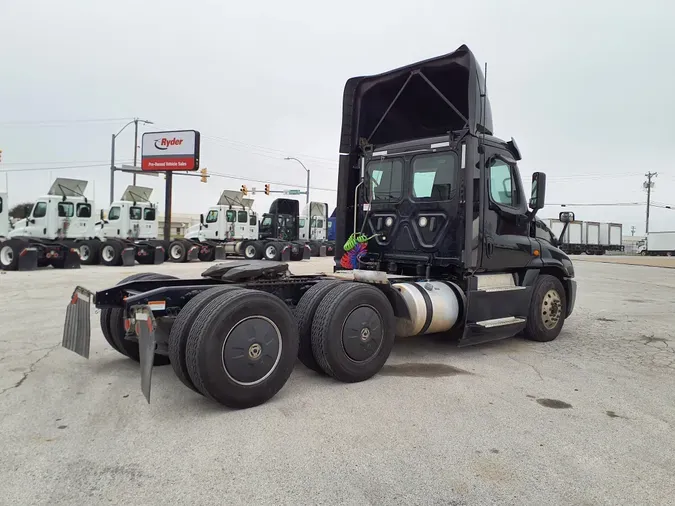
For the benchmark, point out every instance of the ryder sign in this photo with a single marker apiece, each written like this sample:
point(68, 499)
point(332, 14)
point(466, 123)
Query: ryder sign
point(175, 150)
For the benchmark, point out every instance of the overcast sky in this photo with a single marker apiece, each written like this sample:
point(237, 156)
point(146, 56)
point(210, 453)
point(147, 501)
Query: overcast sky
point(586, 89)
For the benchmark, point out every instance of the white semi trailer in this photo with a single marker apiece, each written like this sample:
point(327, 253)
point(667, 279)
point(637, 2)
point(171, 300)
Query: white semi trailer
point(589, 237)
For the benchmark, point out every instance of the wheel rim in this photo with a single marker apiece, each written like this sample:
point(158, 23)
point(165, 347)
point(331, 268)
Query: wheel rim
point(85, 252)
point(362, 333)
point(551, 309)
point(250, 251)
point(252, 350)
point(271, 252)
point(6, 255)
point(108, 253)
point(176, 251)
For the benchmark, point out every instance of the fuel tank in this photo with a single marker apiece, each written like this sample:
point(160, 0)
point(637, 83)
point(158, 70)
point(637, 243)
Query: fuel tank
point(434, 306)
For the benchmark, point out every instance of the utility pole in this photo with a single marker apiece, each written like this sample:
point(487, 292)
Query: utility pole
point(306, 169)
point(112, 169)
point(648, 185)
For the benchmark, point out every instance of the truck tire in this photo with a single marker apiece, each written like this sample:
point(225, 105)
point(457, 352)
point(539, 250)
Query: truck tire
point(272, 251)
point(263, 326)
point(112, 325)
point(89, 251)
point(253, 250)
point(177, 251)
point(180, 331)
point(10, 250)
point(111, 252)
point(304, 314)
point(353, 332)
point(547, 310)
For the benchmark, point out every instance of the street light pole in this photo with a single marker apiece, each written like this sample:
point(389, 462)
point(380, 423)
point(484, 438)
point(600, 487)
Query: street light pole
point(135, 145)
point(303, 166)
point(112, 169)
point(112, 155)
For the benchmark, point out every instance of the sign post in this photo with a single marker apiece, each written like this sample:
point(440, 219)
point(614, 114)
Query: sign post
point(176, 150)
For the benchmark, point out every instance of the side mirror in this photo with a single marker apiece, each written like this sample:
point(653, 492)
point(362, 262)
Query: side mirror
point(566, 217)
point(101, 213)
point(538, 195)
point(201, 219)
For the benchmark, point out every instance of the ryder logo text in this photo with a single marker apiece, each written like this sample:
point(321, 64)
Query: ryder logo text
point(164, 143)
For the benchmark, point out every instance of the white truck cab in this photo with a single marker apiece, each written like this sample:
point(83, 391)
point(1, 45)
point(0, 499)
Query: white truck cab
point(232, 219)
point(64, 213)
point(4, 215)
point(132, 217)
point(314, 222)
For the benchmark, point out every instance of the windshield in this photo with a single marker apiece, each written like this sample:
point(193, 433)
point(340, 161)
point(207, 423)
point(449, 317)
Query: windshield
point(386, 179)
point(434, 176)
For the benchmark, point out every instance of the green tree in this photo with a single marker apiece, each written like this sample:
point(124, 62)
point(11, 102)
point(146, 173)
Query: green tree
point(21, 211)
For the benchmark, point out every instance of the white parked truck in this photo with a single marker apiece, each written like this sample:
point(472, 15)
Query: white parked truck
point(658, 243)
point(232, 228)
point(128, 233)
point(314, 229)
point(51, 235)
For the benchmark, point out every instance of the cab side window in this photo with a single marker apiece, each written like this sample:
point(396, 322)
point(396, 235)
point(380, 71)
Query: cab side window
point(0, 204)
point(503, 185)
point(84, 210)
point(114, 213)
point(135, 213)
point(40, 210)
point(149, 214)
point(253, 220)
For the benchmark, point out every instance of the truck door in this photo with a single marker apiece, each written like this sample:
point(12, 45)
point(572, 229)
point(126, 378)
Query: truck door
point(230, 220)
point(213, 222)
point(135, 216)
point(81, 225)
point(36, 225)
point(241, 228)
point(304, 234)
point(252, 226)
point(149, 230)
point(506, 241)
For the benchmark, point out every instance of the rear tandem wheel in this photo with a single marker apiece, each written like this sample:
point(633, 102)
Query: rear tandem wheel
point(242, 348)
point(353, 332)
point(182, 328)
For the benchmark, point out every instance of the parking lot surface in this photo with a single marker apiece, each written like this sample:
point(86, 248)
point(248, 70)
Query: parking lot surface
point(586, 419)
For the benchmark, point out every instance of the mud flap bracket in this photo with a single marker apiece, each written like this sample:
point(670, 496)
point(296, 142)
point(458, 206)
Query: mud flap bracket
point(145, 327)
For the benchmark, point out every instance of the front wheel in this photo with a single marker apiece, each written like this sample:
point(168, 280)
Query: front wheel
point(548, 310)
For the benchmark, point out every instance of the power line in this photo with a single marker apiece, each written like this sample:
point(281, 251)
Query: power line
point(33, 169)
point(61, 122)
point(242, 178)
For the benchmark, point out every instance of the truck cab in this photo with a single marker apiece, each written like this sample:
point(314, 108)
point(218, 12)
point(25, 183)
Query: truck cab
point(231, 219)
point(4, 215)
point(313, 225)
point(427, 190)
point(64, 213)
point(131, 217)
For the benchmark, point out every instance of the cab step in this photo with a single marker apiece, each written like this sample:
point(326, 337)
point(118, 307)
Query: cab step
point(501, 322)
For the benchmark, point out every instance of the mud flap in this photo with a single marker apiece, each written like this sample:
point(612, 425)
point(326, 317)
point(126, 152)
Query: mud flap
point(28, 260)
point(193, 254)
point(129, 256)
point(159, 255)
point(77, 327)
point(220, 252)
point(145, 326)
point(322, 251)
point(71, 259)
point(306, 252)
point(286, 253)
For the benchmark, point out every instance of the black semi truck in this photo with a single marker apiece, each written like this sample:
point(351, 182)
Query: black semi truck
point(434, 235)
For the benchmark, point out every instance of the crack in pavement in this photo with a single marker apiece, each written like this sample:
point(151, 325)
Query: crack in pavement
point(31, 369)
point(526, 363)
point(25, 353)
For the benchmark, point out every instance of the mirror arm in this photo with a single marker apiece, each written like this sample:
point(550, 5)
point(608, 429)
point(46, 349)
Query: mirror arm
point(562, 234)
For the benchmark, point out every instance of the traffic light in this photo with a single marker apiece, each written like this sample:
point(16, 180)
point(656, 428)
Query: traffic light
point(267, 189)
point(244, 190)
point(203, 171)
